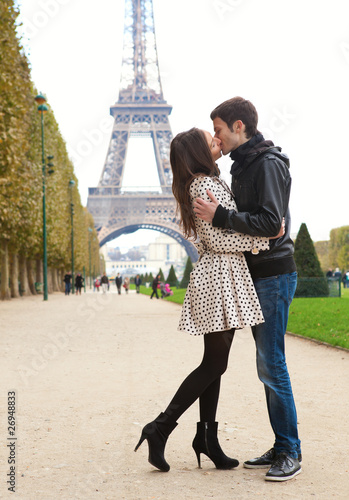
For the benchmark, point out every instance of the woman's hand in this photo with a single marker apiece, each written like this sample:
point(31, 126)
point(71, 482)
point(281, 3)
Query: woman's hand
point(281, 232)
point(206, 209)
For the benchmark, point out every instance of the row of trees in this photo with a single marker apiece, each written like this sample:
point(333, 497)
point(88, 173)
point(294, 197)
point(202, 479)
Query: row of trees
point(21, 218)
point(335, 252)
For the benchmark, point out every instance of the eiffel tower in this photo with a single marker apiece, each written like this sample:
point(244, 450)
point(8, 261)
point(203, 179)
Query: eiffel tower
point(140, 112)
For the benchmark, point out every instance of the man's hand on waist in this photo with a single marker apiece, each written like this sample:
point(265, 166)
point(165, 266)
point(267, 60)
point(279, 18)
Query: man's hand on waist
point(206, 209)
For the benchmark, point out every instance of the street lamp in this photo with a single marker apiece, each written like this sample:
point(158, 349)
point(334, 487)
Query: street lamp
point(42, 108)
point(89, 251)
point(71, 184)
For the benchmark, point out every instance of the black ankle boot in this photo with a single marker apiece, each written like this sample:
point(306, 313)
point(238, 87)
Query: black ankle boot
point(206, 441)
point(156, 433)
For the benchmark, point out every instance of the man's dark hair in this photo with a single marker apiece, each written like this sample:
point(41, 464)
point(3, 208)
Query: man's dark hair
point(238, 108)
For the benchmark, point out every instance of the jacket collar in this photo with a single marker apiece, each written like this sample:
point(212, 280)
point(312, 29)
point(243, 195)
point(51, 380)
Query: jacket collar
point(249, 151)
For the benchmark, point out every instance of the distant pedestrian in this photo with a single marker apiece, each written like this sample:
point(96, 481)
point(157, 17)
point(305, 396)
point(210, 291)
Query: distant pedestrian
point(162, 290)
point(79, 283)
point(344, 280)
point(67, 280)
point(118, 283)
point(156, 281)
point(165, 290)
point(126, 284)
point(338, 274)
point(105, 283)
point(138, 283)
point(96, 284)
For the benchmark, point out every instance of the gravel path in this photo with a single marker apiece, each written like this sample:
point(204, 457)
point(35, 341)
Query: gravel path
point(90, 371)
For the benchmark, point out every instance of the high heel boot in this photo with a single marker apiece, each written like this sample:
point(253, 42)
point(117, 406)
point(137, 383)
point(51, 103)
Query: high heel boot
point(206, 441)
point(156, 433)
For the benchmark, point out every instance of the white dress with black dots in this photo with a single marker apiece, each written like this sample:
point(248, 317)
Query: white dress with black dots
point(220, 295)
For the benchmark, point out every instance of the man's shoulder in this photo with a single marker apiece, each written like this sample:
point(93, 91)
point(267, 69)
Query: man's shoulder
point(269, 162)
point(271, 154)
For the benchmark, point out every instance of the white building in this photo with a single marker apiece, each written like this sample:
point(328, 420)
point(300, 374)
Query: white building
point(162, 253)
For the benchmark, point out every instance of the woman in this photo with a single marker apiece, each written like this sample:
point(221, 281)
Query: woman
point(220, 297)
point(79, 283)
point(126, 284)
point(97, 284)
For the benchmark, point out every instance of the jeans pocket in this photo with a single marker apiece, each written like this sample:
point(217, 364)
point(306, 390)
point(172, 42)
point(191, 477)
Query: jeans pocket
point(292, 285)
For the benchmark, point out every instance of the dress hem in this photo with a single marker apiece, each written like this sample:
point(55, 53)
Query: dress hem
point(239, 327)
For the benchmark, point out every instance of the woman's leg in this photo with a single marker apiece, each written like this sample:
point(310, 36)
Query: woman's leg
point(204, 381)
point(208, 401)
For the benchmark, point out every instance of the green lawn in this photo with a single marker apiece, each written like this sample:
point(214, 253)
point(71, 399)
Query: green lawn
point(324, 319)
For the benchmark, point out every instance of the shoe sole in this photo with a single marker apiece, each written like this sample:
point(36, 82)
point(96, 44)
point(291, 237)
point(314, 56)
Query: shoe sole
point(249, 466)
point(267, 466)
point(283, 478)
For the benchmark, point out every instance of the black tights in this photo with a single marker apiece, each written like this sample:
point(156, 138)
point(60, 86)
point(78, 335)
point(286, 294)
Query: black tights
point(204, 382)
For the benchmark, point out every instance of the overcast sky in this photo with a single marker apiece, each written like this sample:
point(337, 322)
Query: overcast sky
point(289, 57)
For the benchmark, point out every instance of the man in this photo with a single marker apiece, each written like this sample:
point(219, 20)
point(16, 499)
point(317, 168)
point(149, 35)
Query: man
point(138, 283)
point(261, 185)
point(67, 280)
point(118, 283)
point(155, 283)
point(105, 283)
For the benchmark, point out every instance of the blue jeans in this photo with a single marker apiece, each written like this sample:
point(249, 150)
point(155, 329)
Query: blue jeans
point(275, 295)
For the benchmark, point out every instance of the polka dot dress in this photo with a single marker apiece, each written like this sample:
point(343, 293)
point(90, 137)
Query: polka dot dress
point(220, 295)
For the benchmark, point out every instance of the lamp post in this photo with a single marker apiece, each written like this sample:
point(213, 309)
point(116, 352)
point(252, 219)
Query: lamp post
point(42, 108)
point(71, 184)
point(89, 251)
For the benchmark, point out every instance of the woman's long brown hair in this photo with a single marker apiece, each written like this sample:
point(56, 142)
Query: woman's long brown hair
point(190, 157)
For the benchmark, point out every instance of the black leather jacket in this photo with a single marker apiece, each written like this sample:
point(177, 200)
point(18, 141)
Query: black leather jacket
point(261, 184)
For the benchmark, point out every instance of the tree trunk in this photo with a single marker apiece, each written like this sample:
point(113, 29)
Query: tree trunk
point(38, 275)
point(60, 280)
point(14, 276)
point(31, 279)
point(5, 293)
point(49, 280)
point(23, 276)
point(55, 280)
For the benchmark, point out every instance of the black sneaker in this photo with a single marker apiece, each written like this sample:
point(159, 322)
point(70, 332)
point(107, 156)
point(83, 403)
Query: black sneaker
point(283, 468)
point(265, 461)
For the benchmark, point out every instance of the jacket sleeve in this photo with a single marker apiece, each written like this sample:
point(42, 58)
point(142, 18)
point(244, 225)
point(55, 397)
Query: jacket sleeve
point(215, 239)
point(272, 190)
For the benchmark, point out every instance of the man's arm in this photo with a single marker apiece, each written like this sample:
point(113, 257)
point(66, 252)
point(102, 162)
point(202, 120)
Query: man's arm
point(212, 211)
point(272, 200)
